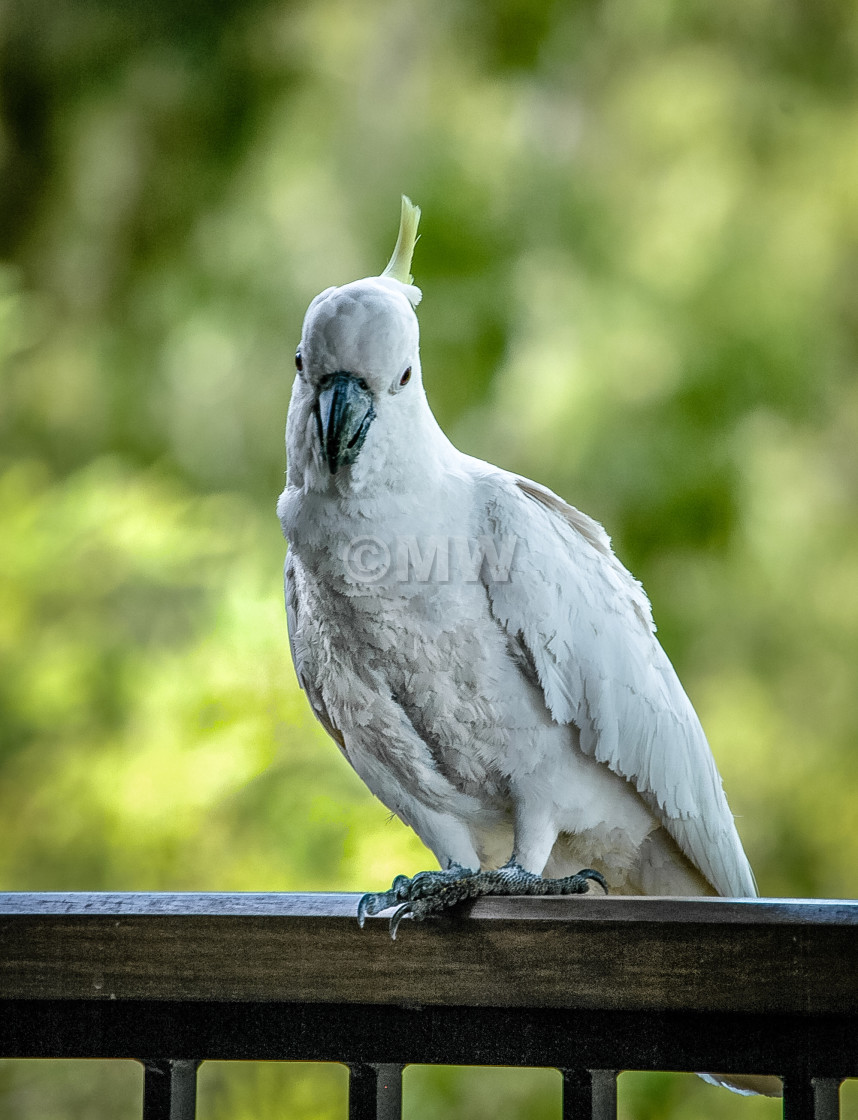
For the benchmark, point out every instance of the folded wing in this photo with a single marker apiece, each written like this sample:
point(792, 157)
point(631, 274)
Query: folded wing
point(588, 627)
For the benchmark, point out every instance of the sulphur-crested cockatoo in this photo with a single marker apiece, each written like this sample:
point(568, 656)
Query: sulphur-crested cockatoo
point(473, 645)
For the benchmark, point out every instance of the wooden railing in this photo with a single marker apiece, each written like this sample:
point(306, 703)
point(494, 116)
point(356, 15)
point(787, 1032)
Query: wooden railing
point(588, 985)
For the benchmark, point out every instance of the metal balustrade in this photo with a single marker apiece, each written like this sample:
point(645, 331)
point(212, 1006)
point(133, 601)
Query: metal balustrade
point(588, 985)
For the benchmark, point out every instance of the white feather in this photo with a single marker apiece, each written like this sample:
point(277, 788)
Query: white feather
point(535, 714)
point(587, 624)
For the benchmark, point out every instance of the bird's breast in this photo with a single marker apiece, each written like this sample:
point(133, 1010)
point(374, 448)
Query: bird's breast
point(432, 647)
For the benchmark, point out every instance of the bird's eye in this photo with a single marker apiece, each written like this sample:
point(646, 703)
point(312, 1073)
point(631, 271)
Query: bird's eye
point(299, 361)
point(406, 377)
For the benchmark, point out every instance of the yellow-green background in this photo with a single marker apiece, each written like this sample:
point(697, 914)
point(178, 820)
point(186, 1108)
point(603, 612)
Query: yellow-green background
point(640, 267)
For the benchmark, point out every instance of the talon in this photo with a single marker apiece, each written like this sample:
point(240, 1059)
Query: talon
point(597, 876)
point(397, 917)
point(371, 904)
point(363, 906)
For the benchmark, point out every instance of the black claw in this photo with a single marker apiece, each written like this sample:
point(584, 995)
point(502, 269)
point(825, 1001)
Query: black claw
point(597, 876)
point(374, 904)
point(404, 911)
point(363, 907)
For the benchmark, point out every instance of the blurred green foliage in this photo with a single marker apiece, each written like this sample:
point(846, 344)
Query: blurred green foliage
point(640, 263)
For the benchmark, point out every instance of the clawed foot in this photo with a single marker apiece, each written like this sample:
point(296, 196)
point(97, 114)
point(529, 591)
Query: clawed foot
point(409, 892)
point(432, 892)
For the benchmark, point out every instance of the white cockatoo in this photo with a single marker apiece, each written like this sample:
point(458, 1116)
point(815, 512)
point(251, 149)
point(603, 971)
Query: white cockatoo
point(479, 654)
point(475, 648)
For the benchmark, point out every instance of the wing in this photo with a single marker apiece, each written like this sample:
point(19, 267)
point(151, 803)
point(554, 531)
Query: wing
point(588, 627)
point(300, 651)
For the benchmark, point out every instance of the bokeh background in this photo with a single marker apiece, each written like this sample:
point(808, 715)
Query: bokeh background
point(640, 272)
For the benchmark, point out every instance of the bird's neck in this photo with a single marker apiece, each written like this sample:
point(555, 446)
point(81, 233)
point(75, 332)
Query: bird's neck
point(406, 459)
point(392, 479)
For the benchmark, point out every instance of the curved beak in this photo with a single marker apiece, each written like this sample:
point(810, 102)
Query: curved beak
point(344, 412)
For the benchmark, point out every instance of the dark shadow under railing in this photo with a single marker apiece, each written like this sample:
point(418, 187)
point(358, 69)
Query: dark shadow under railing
point(589, 985)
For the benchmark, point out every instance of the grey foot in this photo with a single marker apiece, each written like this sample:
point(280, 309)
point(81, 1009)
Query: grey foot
point(403, 889)
point(433, 892)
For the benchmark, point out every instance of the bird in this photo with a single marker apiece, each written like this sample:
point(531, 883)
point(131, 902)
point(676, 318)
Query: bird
point(473, 645)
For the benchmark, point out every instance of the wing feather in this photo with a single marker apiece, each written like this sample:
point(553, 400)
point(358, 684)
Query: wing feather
point(587, 626)
point(300, 657)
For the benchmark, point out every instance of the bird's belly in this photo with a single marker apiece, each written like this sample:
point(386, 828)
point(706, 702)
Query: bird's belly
point(474, 701)
point(445, 664)
point(453, 706)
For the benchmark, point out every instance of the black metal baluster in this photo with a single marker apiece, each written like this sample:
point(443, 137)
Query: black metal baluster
point(589, 1094)
point(826, 1098)
point(170, 1090)
point(811, 1098)
point(375, 1092)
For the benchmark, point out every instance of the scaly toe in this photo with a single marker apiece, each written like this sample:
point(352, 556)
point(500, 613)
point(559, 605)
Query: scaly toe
point(371, 904)
point(571, 884)
point(419, 908)
point(588, 875)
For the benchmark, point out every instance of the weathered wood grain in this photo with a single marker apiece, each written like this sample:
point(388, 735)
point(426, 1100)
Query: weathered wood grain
point(629, 954)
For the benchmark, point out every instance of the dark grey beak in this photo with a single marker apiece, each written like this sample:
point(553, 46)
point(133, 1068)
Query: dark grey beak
point(344, 413)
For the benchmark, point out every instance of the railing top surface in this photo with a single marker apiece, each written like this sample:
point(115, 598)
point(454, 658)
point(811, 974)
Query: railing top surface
point(790, 956)
point(339, 905)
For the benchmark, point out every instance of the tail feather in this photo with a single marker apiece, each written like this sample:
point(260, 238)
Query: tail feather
point(747, 1085)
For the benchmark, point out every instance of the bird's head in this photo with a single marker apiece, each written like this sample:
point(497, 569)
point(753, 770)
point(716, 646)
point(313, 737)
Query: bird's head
point(358, 366)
